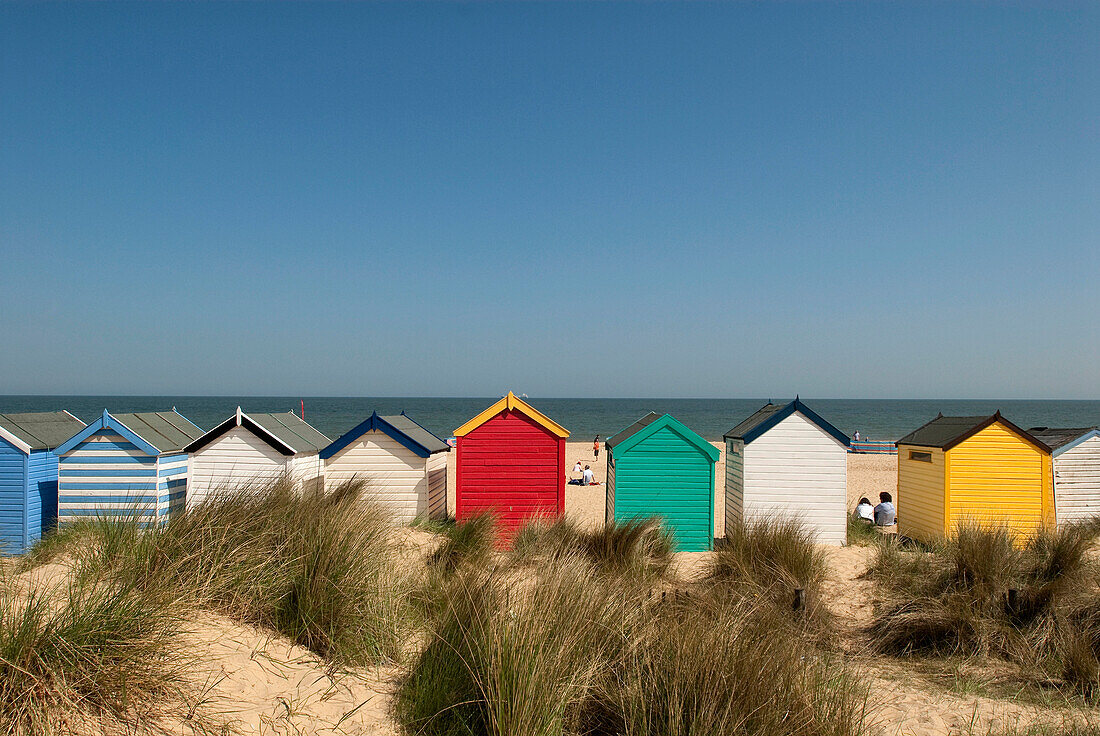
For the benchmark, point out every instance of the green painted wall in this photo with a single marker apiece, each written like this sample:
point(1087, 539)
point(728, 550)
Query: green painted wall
point(666, 475)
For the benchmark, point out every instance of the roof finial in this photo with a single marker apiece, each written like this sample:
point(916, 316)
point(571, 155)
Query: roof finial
point(238, 415)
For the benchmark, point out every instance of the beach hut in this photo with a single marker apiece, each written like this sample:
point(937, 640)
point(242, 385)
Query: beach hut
point(28, 475)
point(403, 465)
point(983, 470)
point(659, 467)
point(1075, 457)
point(125, 465)
point(787, 462)
point(510, 462)
point(253, 450)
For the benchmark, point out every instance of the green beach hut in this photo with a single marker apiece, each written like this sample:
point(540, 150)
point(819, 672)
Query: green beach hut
point(659, 467)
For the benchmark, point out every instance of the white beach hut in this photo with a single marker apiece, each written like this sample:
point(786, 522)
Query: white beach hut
point(1076, 454)
point(403, 464)
point(788, 462)
point(250, 449)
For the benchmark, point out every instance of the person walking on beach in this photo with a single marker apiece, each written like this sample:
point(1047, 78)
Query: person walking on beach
point(589, 476)
point(596, 447)
point(885, 513)
point(856, 438)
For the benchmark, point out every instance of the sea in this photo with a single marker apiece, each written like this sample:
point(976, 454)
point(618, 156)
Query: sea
point(877, 419)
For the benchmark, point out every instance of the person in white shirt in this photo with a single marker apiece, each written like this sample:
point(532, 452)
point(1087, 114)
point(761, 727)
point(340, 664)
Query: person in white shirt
point(589, 476)
point(885, 514)
point(865, 511)
point(578, 471)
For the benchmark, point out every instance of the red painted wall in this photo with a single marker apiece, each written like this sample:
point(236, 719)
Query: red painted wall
point(510, 466)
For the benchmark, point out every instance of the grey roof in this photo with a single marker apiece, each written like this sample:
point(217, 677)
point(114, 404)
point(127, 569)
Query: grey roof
point(942, 431)
point(760, 416)
point(292, 431)
point(946, 432)
point(1056, 437)
point(633, 429)
point(168, 431)
point(42, 430)
point(416, 433)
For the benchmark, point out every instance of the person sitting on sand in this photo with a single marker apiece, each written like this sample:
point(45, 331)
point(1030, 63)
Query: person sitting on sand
point(578, 470)
point(865, 511)
point(885, 514)
point(589, 476)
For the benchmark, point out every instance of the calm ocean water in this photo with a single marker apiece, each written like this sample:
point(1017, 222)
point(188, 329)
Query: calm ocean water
point(886, 419)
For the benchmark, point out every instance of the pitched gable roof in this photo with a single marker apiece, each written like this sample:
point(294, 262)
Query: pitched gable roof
point(1061, 439)
point(398, 426)
point(771, 414)
point(652, 423)
point(946, 432)
point(511, 402)
point(288, 433)
point(33, 431)
point(633, 429)
point(154, 432)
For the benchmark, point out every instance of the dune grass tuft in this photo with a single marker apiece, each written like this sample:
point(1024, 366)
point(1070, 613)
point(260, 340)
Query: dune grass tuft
point(980, 593)
point(558, 648)
point(317, 567)
point(641, 548)
point(862, 533)
point(96, 651)
point(471, 541)
point(769, 561)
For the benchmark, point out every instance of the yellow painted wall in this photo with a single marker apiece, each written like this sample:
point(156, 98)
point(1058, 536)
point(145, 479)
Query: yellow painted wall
point(920, 498)
point(995, 477)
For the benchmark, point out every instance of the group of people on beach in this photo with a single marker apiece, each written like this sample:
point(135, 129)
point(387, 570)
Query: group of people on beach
point(884, 514)
point(582, 477)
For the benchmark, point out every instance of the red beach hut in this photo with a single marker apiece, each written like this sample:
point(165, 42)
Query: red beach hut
point(511, 462)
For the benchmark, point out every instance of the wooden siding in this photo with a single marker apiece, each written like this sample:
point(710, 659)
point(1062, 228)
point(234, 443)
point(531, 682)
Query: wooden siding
point(735, 478)
point(437, 485)
point(995, 477)
point(609, 494)
point(668, 476)
point(1077, 482)
point(307, 469)
point(796, 470)
point(395, 476)
point(107, 475)
point(234, 460)
point(512, 466)
point(13, 499)
point(41, 494)
point(920, 500)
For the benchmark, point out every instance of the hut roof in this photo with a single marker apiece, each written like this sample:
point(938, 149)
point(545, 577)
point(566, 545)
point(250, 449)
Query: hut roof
point(771, 414)
point(511, 402)
point(652, 423)
point(1061, 439)
point(286, 432)
point(39, 430)
point(398, 426)
point(947, 432)
point(632, 430)
point(155, 432)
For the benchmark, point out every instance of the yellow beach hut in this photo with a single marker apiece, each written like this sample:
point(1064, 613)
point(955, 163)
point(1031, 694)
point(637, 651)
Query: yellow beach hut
point(982, 470)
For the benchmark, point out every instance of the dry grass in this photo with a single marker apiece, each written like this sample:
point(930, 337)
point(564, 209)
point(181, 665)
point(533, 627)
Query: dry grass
point(564, 635)
point(767, 562)
point(316, 567)
point(86, 652)
point(981, 594)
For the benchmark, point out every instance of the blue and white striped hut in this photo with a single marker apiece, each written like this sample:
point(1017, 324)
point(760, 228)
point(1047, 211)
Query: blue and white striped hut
point(126, 464)
point(28, 475)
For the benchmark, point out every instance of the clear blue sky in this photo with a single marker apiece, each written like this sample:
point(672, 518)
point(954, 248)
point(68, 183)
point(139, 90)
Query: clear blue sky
point(837, 200)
